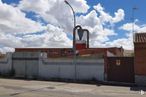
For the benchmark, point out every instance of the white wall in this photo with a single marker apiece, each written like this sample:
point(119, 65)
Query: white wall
point(65, 69)
point(26, 64)
point(49, 70)
point(6, 64)
point(90, 70)
point(58, 69)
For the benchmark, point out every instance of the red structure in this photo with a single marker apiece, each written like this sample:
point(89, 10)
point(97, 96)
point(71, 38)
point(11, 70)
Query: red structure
point(140, 53)
point(78, 35)
point(80, 46)
point(60, 52)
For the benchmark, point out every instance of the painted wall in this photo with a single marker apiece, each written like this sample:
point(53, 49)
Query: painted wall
point(25, 64)
point(32, 65)
point(140, 58)
point(140, 63)
point(66, 69)
point(5, 64)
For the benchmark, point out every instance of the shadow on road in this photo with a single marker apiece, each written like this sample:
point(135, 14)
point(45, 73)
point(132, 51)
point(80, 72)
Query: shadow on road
point(137, 88)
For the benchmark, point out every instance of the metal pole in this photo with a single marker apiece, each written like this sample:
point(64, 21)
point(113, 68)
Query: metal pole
point(133, 20)
point(74, 35)
point(72, 11)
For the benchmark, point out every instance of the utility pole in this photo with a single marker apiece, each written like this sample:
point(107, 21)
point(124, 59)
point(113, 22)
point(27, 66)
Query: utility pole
point(133, 21)
point(133, 18)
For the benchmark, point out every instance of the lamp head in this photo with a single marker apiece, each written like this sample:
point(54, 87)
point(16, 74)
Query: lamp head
point(66, 1)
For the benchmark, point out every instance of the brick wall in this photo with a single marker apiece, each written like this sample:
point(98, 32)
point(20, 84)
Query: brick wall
point(140, 58)
point(68, 52)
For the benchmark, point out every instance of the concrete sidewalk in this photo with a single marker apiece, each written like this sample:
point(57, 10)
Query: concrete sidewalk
point(25, 88)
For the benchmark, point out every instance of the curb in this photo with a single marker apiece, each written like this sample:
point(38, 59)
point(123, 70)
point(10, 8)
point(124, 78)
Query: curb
point(113, 83)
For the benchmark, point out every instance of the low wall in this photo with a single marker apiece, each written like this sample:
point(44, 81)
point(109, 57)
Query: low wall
point(6, 64)
point(29, 65)
point(25, 64)
point(66, 69)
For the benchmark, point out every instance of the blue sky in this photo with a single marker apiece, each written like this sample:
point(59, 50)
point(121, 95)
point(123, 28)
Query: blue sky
point(51, 20)
point(127, 5)
point(111, 6)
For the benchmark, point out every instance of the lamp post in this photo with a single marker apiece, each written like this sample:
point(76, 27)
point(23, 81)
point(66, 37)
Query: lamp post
point(72, 11)
point(74, 35)
point(133, 21)
point(133, 17)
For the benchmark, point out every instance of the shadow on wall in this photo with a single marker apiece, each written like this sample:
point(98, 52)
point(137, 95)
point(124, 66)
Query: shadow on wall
point(7, 74)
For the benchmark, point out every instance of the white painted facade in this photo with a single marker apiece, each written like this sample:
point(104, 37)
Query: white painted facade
point(6, 64)
point(32, 64)
point(66, 69)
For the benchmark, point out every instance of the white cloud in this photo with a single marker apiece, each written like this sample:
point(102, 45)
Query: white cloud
point(142, 28)
point(56, 37)
point(6, 49)
point(55, 12)
point(90, 19)
point(119, 15)
point(126, 43)
point(42, 6)
point(8, 40)
point(53, 37)
point(100, 23)
point(80, 6)
point(59, 18)
point(39, 6)
point(106, 17)
point(137, 28)
point(98, 7)
point(129, 27)
point(14, 21)
point(59, 14)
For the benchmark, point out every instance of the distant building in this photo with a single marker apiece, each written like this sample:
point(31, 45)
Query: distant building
point(68, 52)
point(129, 53)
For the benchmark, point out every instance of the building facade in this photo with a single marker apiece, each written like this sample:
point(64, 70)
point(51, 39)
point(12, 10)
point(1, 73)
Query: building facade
point(140, 58)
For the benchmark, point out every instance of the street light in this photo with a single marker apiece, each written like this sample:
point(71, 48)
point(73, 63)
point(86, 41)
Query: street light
point(74, 45)
point(72, 11)
point(133, 20)
point(133, 17)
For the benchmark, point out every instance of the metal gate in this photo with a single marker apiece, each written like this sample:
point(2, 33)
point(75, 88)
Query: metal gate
point(25, 64)
point(120, 69)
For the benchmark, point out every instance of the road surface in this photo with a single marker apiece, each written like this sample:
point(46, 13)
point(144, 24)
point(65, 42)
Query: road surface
point(31, 88)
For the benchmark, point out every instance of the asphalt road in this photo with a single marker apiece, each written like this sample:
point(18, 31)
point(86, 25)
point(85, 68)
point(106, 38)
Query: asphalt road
point(31, 88)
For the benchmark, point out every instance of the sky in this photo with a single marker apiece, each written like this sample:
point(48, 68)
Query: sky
point(49, 23)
